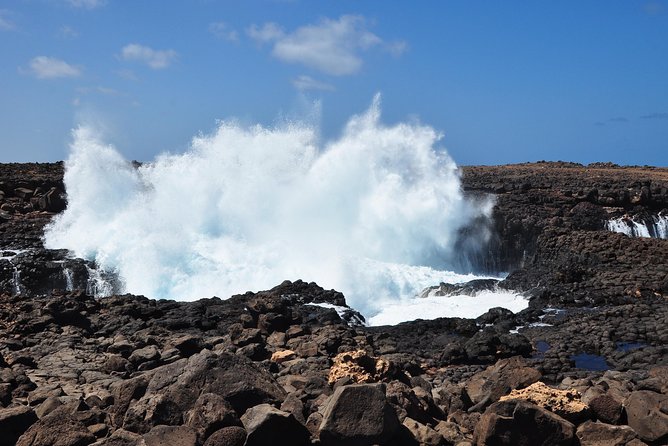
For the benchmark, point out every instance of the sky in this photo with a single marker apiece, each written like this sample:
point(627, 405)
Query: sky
point(505, 82)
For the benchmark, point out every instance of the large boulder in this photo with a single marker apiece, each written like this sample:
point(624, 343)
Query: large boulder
point(174, 389)
point(14, 421)
point(647, 414)
point(521, 423)
point(565, 403)
point(264, 422)
point(358, 415)
point(57, 429)
point(497, 380)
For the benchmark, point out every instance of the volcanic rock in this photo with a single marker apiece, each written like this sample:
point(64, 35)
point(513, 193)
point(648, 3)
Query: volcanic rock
point(520, 423)
point(647, 414)
point(358, 415)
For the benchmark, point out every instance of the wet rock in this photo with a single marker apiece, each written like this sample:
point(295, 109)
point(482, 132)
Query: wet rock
point(519, 422)
point(358, 414)
point(647, 414)
point(263, 422)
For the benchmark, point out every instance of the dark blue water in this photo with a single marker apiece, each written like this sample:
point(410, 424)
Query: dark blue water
point(542, 346)
point(629, 346)
point(590, 362)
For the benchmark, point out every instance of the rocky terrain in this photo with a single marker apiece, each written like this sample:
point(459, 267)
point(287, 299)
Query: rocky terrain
point(586, 363)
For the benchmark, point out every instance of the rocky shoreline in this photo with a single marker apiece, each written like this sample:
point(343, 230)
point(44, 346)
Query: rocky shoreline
point(586, 363)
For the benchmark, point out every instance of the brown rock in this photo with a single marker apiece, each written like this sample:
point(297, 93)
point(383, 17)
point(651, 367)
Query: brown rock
point(647, 414)
point(424, 434)
point(171, 436)
point(56, 429)
point(495, 381)
point(210, 413)
point(358, 415)
point(14, 421)
point(282, 356)
point(606, 408)
point(598, 434)
point(520, 423)
point(565, 403)
point(227, 436)
point(263, 422)
point(359, 367)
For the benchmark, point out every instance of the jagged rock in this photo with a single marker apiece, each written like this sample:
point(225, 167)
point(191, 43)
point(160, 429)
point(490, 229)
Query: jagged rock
point(210, 413)
point(171, 436)
point(359, 367)
point(227, 436)
point(174, 388)
point(14, 421)
point(358, 414)
point(565, 403)
point(148, 353)
point(283, 356)
point(647, 414)
point(424, 434)
point(121, 437)
point(590, 433)
point(263, 422)
point(497, 380)
point(520, 423)
point(56, 429)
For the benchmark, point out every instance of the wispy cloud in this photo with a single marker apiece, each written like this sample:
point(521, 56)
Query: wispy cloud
point(653, 8)
point(87, 4)
point(68, 32)
point(127, 74)
point(223, 31)
point(304, 83)
point(266, 33)
point(156, 59)
point(6, 23)
point(43, 67)
point(331, 46)
point(655, 116)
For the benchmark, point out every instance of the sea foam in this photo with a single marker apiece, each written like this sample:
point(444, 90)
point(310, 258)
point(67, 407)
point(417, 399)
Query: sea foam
point(374, 214)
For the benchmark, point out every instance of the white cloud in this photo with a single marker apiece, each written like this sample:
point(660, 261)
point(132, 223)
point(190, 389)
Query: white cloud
point(156, 59)
point(6, 23)
point(223, 31)
point(266, 33)
point(331, 46)
point(304, 83)
point(87, 4)
point(68, 32)
point(397, 48)
point(43, 67)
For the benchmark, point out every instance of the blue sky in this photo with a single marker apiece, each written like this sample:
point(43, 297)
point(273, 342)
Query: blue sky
point(504, 81)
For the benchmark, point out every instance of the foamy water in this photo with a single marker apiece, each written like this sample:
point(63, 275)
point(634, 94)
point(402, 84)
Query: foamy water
point(374, 214)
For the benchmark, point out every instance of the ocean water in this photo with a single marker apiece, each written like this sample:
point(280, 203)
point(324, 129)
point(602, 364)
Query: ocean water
point(374, 214)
